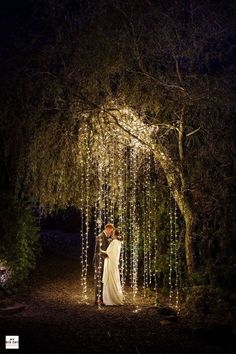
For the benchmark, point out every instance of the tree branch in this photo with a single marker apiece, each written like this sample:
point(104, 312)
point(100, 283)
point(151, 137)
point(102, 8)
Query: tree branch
point(193, 132)
point(181, 137)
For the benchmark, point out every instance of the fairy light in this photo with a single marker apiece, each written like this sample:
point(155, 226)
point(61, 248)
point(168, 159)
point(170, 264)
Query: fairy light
point(96, 218)
point(99, 274)
point(95, 213)
point(111, 184)
point(86, 244)
point(155, 237)
point(106, 196)
point(125, 208)
point(155, 262)
point(85, 169)
point(82, 226)
point(121, 222)
point(137, 228)
point(176, 258)
point(100, 223)
point(131, 222)
point(134, 225)
point(171, 253)
point(135, 260)
point(115, 175)
point(128, 193)
point(154, 274)
point(144, 246)
point(149, 218)
point(145, 232)
point(173, 257)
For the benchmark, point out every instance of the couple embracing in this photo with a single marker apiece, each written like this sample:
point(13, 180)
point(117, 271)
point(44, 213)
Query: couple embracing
point(106, 263)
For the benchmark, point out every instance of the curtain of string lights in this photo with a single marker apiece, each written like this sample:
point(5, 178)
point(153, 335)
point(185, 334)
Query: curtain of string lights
point(112, 192)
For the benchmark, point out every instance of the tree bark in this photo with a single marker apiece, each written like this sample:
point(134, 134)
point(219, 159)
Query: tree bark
point(186, 209)
point(184, 203)
point(190, 222)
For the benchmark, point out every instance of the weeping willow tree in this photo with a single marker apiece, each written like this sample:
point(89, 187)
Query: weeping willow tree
point(109, 172)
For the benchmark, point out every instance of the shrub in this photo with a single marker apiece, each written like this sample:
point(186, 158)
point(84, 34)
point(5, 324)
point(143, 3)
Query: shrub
point(23, 258)
point(19, 247)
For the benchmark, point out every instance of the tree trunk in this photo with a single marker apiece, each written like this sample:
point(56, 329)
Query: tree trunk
point(175, 181)
point(190, 221)
point(189, 217)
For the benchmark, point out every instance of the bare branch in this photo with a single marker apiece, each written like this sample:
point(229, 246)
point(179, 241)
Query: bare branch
point(193, 132)
point(181, 135)
point(178, 71)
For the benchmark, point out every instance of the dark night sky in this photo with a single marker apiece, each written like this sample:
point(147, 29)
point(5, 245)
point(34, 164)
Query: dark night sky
point(28, 25)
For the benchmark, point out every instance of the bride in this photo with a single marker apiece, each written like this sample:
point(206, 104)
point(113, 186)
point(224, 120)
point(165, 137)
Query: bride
point(112, 293)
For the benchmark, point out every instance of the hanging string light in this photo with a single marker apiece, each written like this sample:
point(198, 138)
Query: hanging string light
point(149, 212)
point(86, 243)
point(85, 169)
point(126, 214)
point(83, 285)
point(132, 218)
point(129, 201)
point(105, 218)
point(99, 276)
point(134, 224)
point(95, 212)
point(101, 215)
point(111, 183)
point(176, 240)
point(155, 245)
point(120, 198)
point(135, 260)
point(173, 257)
point(145, 230)
point(155, 264)
point(171, 253)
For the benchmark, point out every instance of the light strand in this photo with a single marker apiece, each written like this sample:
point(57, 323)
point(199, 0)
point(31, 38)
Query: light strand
point(171, 240)
point(176, 236)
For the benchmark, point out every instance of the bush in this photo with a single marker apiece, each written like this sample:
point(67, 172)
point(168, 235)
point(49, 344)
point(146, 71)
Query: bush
point(205, 299)
point(23, 258)
point(20, 243)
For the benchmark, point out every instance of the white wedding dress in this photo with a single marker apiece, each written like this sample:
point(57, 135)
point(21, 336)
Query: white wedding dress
point(112, 292)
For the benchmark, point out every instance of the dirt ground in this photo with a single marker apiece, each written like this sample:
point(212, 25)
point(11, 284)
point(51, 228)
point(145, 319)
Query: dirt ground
point(56, 321)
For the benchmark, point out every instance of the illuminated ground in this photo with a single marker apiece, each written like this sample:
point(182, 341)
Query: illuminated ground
point(56, 320)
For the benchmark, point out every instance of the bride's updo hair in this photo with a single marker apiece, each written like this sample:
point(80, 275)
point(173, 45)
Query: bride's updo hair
point(118, 235)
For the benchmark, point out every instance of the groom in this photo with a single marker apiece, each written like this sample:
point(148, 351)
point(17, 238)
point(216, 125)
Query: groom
point(102, 242)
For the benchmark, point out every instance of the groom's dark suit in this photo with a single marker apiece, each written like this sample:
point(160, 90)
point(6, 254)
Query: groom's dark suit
point(102, 242)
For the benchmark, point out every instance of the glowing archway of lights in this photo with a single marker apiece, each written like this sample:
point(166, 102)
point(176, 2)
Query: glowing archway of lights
point(117, 155)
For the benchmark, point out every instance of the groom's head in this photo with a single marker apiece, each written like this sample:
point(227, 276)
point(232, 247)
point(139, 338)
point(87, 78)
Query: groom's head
point(109, 229)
